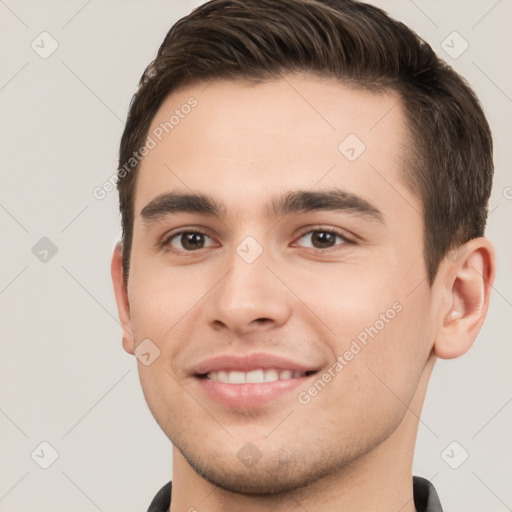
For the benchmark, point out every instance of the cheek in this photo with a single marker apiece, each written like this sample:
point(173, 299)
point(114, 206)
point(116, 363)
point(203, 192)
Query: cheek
point(165, 307)
point(161, 301)
point(379, 332)
point(376, 378)
point(348, 301)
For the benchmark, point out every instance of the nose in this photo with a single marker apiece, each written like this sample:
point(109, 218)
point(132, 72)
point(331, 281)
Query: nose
point(248, 298)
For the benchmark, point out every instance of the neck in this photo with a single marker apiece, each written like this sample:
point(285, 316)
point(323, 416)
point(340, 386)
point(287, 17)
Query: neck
point(380, 480)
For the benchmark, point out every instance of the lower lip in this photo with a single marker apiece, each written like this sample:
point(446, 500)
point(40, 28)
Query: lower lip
point(246, 396)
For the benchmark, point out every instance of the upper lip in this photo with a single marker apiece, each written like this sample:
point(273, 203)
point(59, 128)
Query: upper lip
point(248, 362)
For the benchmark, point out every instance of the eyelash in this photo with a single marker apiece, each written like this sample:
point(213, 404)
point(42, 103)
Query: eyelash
point(165, 244)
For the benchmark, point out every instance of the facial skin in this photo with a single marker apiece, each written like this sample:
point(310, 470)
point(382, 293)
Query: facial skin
point(244, 145)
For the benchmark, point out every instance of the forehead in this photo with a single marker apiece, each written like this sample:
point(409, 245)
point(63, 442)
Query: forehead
point(242, 143)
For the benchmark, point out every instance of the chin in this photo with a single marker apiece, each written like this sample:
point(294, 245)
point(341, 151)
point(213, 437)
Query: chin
point(274, 474)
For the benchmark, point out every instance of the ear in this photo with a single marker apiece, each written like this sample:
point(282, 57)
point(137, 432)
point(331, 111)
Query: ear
point(468, 276)
point(121, 293)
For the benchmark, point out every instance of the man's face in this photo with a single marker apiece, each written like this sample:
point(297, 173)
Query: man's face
point(294, 290)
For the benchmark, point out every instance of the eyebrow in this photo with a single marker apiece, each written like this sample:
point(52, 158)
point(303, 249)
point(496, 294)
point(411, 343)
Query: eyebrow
point(292, 202)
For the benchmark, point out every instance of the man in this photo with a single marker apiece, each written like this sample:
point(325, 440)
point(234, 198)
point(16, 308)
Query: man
point(303, 188)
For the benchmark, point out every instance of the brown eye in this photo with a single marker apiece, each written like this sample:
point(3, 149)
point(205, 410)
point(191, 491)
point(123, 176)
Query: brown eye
point(189, 241)
point(323, 239)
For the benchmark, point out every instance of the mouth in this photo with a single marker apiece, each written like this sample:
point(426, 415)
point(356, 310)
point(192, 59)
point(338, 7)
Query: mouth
point(257, 376)
point(238, 390)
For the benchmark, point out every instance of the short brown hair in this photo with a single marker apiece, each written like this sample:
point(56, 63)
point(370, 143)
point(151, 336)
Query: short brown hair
point(450, 166)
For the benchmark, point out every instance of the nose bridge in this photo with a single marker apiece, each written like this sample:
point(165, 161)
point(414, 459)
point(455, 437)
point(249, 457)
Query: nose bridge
point(249, 291)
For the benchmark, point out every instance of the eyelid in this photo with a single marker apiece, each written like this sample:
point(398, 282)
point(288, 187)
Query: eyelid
point(164, 242)
point(348, 237)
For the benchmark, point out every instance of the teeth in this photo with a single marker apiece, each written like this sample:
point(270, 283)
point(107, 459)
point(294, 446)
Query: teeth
point(236, 377)
point(254, 376)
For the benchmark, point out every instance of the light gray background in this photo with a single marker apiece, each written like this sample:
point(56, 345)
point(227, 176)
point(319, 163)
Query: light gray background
point(64, 377)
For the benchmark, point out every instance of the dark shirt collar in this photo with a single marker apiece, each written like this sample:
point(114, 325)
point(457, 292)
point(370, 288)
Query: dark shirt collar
point(425, 497)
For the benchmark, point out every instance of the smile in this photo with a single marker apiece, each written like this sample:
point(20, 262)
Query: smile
point(237, 390)
point(253, 377)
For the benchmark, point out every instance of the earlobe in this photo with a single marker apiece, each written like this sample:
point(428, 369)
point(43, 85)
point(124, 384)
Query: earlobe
point(121, 294)
point(468, 285)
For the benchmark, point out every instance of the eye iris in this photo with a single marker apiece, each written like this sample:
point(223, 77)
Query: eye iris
point(192, 240)
point(323, 239)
